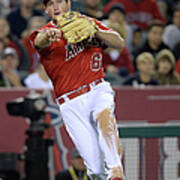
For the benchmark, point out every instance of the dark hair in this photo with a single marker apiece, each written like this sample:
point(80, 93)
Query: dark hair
point(46, 1)
point(154, 23)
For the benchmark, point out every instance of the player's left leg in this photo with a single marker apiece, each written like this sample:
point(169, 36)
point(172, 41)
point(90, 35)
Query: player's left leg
point(106, 126)
point(110, 142)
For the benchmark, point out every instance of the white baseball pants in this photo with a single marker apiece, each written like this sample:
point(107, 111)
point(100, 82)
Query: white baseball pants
point(80, 118)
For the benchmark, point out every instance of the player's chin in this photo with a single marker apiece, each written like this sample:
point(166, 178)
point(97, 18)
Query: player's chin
point(55, 15)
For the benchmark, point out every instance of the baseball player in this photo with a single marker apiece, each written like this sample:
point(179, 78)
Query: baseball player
point(85, 100)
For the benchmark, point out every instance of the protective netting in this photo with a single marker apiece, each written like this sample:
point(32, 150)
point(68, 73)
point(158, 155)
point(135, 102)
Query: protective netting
point(156, 156)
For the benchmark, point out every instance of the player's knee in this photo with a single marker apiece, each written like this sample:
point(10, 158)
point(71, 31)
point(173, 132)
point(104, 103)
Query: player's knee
point(106, 122)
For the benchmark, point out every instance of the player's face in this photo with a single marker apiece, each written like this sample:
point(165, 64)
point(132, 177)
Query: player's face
point(56, 7)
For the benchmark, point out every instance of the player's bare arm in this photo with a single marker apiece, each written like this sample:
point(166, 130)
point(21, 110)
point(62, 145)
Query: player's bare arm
point(111, 39)
point(43, 39)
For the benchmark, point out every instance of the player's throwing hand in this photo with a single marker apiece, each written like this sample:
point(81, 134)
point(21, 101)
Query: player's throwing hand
point(53, 34)
point(46, 37)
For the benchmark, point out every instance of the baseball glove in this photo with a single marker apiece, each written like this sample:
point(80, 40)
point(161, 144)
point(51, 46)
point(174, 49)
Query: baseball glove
point(76, 27)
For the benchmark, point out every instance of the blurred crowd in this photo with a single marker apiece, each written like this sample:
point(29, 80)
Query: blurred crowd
point(151, 29)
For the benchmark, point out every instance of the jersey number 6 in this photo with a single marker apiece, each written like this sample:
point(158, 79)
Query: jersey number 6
point(96, 61)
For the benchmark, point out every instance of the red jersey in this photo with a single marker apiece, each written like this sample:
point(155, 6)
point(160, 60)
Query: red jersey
point(141, 13)
point(70, 66)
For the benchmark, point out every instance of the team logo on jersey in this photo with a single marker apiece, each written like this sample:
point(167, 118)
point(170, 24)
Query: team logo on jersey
point(73, 50)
